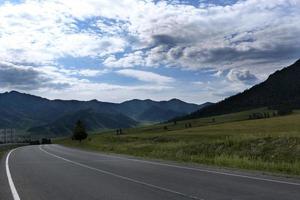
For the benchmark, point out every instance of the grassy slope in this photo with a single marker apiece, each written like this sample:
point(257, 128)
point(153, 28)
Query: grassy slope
point(271, 144)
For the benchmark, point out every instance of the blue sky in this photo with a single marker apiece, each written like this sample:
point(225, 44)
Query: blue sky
point(194, 50)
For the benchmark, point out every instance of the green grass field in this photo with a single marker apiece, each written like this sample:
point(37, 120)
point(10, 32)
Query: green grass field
point(271, 144)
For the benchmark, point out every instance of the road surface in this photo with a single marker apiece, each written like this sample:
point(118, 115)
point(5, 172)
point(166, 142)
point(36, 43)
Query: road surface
point(54, 172)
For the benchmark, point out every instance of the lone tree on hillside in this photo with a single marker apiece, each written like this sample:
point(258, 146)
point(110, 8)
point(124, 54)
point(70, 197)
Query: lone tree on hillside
point(119, 131)
point(79, 132)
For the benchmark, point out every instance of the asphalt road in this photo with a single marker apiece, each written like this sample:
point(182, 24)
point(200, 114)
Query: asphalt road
point(53, 172)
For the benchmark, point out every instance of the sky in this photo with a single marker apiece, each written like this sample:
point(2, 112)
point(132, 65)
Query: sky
point(194, 50)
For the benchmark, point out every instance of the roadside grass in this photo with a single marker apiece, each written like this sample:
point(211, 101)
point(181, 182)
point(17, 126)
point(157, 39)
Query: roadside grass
point(271, 144)
point(240, 116)
point(4, 149)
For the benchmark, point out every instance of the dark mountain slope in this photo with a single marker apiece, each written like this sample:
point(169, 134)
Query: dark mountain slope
point(91, 119)
point(281, 88)
point(158, 114)
point(18, 109)
point(24, 111)
point(156, 111)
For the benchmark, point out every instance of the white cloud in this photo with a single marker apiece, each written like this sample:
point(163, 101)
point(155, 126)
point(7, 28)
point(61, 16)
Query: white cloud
point(253, 35)
point(55, 82)
point(146, 76)
point(79, 72)
point(242, 75)
point(86, 90)
point(42, 31)
point(246, 33)
point(91, 72)
point(27, 78)
point(198, 83)
point(129, 60)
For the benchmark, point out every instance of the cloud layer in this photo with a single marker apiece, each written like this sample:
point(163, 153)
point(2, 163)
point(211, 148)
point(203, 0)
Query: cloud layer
point(146, 76)
point(243, 40)
point(26, 78)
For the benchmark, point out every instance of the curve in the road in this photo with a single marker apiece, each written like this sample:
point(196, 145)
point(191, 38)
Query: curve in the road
point(36, 169)
point(10, 180)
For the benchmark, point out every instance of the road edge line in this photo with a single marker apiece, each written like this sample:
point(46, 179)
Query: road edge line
point(9, 177)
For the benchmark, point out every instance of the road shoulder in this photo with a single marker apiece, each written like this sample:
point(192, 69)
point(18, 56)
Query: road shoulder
point(208, 168)
point(5, 192)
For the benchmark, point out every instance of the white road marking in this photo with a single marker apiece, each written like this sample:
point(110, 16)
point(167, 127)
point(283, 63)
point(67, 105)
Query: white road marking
point(10, 180)
point(121, 177)
point(214, 172)
point(205, 170)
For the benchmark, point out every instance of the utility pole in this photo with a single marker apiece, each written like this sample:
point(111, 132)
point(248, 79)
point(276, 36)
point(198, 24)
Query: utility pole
point(5, 136)
point(2, 135)
point(14, 136)
point(11, 135)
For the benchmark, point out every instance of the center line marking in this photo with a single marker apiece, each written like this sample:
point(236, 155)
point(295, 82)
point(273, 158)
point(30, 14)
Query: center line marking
point(121, 177)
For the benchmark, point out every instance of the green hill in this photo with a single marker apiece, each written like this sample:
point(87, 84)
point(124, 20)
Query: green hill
point(41, 116)
point(270, 144)
point(92, 120)
point(281, 91)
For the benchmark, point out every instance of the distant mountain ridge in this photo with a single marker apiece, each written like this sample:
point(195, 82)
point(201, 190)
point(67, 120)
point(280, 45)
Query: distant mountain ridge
point(282, 88)
point(56, 117)
point(92, 121)
point(153, 111)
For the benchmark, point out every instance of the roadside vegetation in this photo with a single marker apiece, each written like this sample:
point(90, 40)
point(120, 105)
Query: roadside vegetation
point(79, 132)
point(246, 140)
point(6, 148)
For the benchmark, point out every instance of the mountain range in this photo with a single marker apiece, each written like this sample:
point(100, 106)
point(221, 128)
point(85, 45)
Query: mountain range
point(281, 89)
point(40, 116)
